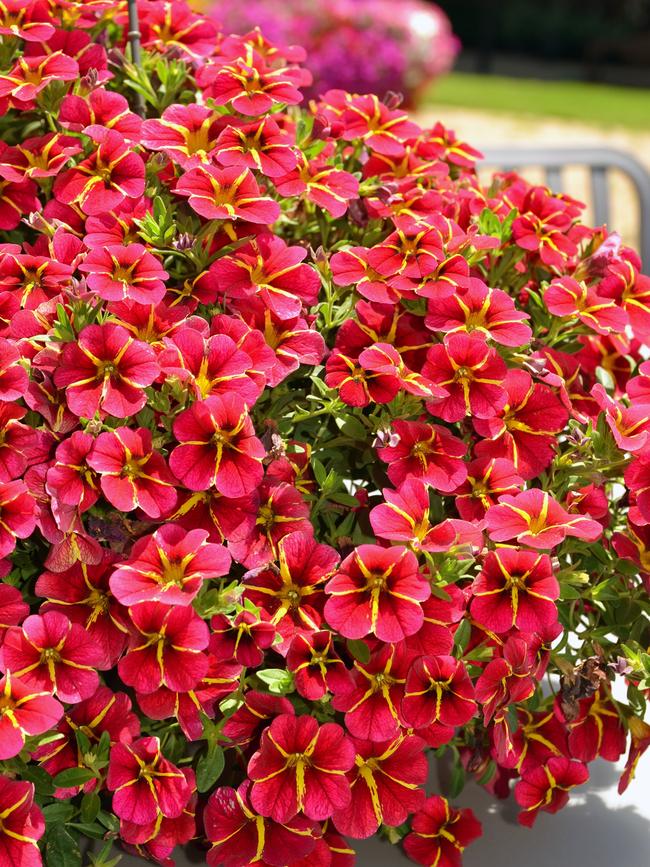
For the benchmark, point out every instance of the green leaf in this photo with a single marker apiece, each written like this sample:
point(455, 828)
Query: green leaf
point(209, 767)
point(72, 777)
point(462, 636)
point(90, 806)
point(359, 650)
point(278, 680)
point(61, 848)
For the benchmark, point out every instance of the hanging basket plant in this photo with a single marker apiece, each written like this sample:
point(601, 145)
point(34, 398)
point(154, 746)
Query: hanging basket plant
point(320, 458)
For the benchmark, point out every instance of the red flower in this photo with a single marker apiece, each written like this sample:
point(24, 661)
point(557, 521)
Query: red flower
point(40, 157)
point(525, 430)
point(491, 312)
point(218, 447)
point(515, 589)
point(260, 145)
point(14, 379)
point(13, 609)
point(49, 653)
point(144, 783)
point(596, 731)
point(30, 75)
point(327, 187)
point(293, 593)
point(70, 480)
point(566, 297)
point(244, 639)
point(316, 666)
point(438, 690)
point(440, 834)
point(546, 788)
point(427, 452)
point(536, 519)
point(166, 648)
point(131, 474)
point(186, 133)
point(487, 480)
point(385, 782)
point(471, 372)
point(100, 108)
point(251, 86)
point(17, 515)
point(117, 272)
point(16, 200)
point(371, 701)
point(82, 594)
point(105, 370)
point(383, 130)
point(23, 712)
point(29, 22)
point(100, 183)
point(213, 366)
point(506, 679)
point(301, 767)
point(377, 590)
point(169, 566)
point(240, 836)
point(226, 194)
point(246, 724)
point(22, 824)
point(270, 270)
point(640, 741)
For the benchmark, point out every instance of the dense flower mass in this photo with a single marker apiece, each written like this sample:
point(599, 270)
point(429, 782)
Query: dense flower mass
point(317, 456)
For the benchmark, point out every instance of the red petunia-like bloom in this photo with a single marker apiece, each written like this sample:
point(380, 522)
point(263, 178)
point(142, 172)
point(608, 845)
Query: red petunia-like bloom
point(428, 452)
point(240, 836)
point(145, 785)
point(383, 130)
point(103, 181)
point(218, 447)
point(105, 370)
point(245, 639)
point(536, 519)
point(270, 270)
point(546, 788)
point(479, 308)
point(186, 133)
point(23, 712)
point(440, 834)
point(301, 767)
point(49, 653)
point(169, 566)
point(82, 594)
point(386, 785)
point(515, 589)
point(567, 297)
point(131, 474)
point(377, 590)
point(117, 273)
point(22, 824)
point(316, 666)
point(226, 194)
point(166, 650)
point(17, 515)
point(487, 480)
point(438, 690)
point(471, 372)
point(30, 75)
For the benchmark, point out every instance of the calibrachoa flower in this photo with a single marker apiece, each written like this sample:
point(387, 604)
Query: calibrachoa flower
point(144, 783)
point(301, 767)
point(440, 834)
point(377, 590)
point(318, 451)
point(22, 823)
point(51, 654)
point(217, 447)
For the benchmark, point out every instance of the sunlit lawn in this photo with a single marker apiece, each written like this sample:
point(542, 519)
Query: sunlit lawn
point(598, 104)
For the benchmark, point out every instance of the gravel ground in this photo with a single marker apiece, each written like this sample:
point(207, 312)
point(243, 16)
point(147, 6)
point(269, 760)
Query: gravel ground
point(483, 129)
